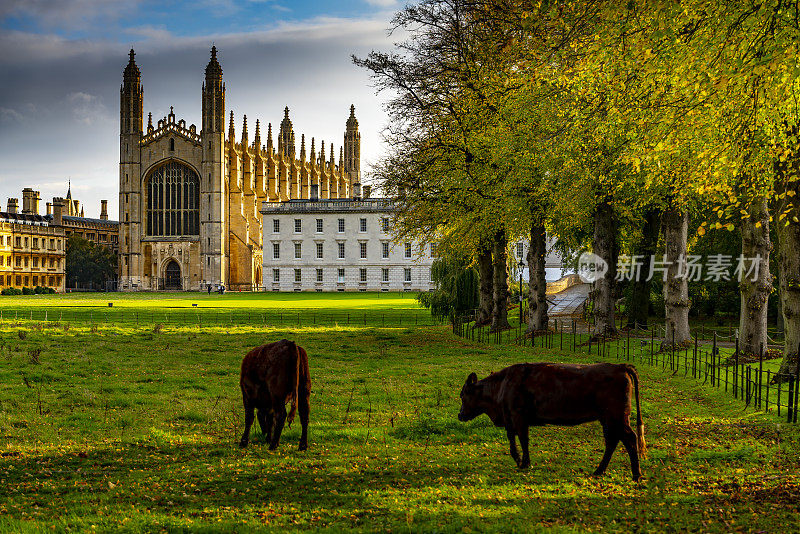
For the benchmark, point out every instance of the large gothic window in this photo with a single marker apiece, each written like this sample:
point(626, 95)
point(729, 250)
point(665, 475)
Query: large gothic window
point(173, 201)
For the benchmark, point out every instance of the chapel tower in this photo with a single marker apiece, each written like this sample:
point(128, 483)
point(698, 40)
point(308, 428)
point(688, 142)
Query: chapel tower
point(212, 202)
point(131, 114)
point(352, 152)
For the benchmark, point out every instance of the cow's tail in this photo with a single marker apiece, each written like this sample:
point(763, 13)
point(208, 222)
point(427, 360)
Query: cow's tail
point(642, 446)
point(295, 385)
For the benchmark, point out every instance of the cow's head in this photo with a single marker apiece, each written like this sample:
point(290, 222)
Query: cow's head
point(470, 399)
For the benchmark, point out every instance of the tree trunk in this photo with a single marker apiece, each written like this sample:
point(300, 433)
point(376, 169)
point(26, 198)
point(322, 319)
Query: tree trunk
point(676, 288)
point(755, 287)
point(500, 282)
point(789, 275)
point(639, 305)
point(605, 246)
point(537, 286)
point(486, 286)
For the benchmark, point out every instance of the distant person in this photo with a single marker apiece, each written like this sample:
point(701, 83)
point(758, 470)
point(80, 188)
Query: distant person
point(209, 289)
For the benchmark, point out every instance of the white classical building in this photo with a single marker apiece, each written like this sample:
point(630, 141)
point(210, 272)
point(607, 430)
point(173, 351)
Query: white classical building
point(340, 245)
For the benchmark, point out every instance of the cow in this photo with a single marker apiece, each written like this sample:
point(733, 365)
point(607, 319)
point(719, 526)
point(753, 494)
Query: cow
point(271, 376)
point(537, 394)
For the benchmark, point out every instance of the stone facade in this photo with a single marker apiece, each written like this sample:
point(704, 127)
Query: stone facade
point(189, 201)
point(340, 245)
point(33, 246)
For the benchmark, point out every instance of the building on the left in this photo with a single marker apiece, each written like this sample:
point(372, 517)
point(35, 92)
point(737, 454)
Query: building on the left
point(33, 245)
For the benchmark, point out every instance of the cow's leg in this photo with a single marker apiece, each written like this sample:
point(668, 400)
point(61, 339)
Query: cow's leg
point(512, 442)
point(265, 421)
point(303, 409)
point(522, 431)
point(630, 442)
point(249, 416)
point(612, 436)
point(279, 409)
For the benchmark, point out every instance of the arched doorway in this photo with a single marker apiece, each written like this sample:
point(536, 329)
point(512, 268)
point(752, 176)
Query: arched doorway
point(258, 277)
point(172, 276)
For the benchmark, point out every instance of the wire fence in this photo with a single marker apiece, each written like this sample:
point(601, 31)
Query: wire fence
point(745, 380)
point(201, 317)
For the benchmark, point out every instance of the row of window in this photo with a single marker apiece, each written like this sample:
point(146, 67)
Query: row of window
point(298, 225)
point(362, 250)
point(23, 261)
point(29, 281)
point(340, 278)
point(19, 242)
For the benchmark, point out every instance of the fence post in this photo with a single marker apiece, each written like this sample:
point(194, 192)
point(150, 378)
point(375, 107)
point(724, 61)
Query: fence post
point(736, 369)
point(672, 352)
point(713, 353)
point(760, 372)
point(796, 380)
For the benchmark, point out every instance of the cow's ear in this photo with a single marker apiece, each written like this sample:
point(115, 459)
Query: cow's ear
point(472, 379)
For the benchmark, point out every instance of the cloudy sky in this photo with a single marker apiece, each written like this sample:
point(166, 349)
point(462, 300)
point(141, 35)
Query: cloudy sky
point(62, 61)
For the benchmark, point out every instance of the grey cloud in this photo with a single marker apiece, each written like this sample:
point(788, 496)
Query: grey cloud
point(68, 13)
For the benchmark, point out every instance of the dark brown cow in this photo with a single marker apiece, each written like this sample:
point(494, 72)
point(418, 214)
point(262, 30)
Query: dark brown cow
point(273, 375)
point(536, 394)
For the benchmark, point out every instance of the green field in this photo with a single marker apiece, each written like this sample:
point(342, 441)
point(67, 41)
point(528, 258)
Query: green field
point(302, 300)
point(129, 428)
point(233, 308)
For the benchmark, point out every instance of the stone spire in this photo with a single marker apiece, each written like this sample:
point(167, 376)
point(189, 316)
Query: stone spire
point(352, 149)
point(150, 122)
point(132, 73)
point(213, 69)
point(69, 190)
point(131, 110)
point(257, 138)
point(286, 136)
point(213, 96)
point(231, 130)
point(303, 147)
point(269, 138)
point(313, 153)
point(244, 132)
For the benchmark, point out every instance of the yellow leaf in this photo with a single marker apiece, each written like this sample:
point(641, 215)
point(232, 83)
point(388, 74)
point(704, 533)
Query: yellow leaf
point(729, 226)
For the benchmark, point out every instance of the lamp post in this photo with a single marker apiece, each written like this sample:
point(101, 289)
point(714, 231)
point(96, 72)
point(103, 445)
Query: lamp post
point(521, 266)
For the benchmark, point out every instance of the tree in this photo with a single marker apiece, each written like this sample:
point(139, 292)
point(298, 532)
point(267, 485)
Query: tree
point(456, 290)
point(88, 264)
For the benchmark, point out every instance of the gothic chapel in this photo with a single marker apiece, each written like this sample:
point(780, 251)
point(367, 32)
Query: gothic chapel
point(189, 201)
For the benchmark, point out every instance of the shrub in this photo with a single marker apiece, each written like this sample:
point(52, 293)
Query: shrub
point(27, 291)
point(41, 290)
point(11, 291)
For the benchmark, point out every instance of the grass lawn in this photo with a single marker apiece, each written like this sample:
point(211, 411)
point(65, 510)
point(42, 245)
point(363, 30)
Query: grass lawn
point(128, 429)
point(232, 308)
point(231, 299)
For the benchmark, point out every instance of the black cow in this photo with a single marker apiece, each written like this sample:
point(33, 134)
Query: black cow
point(536, 394)
point(271, 376)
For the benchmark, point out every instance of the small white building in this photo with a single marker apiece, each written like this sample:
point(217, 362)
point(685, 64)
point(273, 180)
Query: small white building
point(340, 245)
